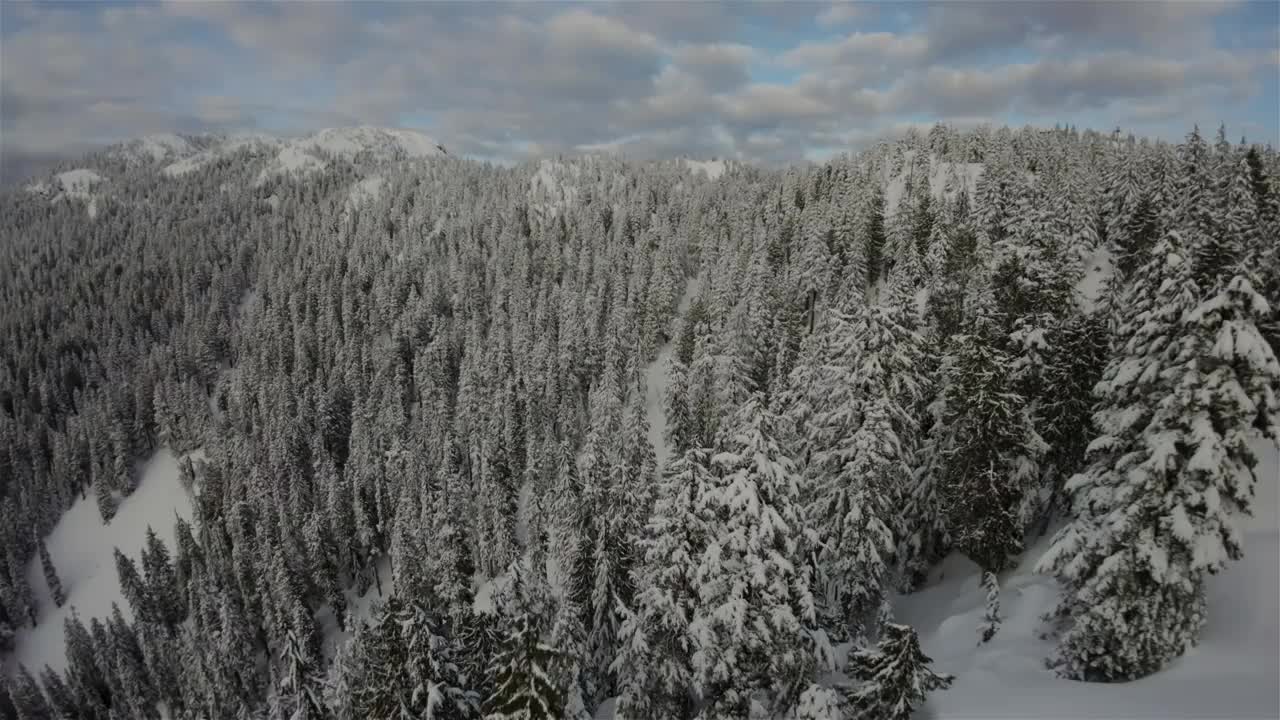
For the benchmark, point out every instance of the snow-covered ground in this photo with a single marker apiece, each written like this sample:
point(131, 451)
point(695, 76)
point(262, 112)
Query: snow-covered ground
point(1098, 268)
point(1231, 674)
point(82, 550)
point(359, 607)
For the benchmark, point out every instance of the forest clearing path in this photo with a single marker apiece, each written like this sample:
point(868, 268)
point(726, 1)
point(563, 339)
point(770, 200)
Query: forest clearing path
point(655, 381)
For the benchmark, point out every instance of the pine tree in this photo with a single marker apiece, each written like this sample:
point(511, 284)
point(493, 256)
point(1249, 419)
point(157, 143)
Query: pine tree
point(754, 593)
point(991, 619)
point(50, 574)
point(1172, 469)
point(299, 694)
point(675, 407)
point(654, 664)
point(161, 581)
point(28, 700)
point(850, 512)
point(525, 666)
point(818, 703)
point(989, 451)
point(23, 599)
point(404, 664)
point(61, 699)
point(895, 677)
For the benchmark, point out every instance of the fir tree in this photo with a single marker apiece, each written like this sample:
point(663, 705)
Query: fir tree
point(895, 677)
point(299, 693)
point(404, 665)
point(525, 667)
point(654, 663)
point(988, 450)
point(50, 574)
point(28, 700)
point(818, 703)
point(1156, 508)
point(991, 618)
point(754, 594)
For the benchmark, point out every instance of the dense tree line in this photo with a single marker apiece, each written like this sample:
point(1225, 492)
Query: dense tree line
point(878, 361)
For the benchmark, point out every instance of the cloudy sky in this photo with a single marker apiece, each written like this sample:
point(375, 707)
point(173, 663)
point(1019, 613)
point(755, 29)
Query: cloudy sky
point(769, 81)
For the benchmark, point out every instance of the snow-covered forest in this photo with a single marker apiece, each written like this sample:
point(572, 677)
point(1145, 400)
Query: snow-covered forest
point(349, 427)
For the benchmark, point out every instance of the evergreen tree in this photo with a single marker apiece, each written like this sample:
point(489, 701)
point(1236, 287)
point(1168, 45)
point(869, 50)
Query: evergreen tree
point(654, 664)
point(524, 669)
point(23, 600)
point(1156, 507)
point(61, 700)
point(299, 693)
point(991, 619)
point(28, 700)
point(818, 703)
point(895, 677)
point(50, 574)
point(988, 450)
point(755, 603)
point(161, 581)
point(404, 665)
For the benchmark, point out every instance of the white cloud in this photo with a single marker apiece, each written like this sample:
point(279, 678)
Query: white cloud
point(520, 78)
point(842, 13)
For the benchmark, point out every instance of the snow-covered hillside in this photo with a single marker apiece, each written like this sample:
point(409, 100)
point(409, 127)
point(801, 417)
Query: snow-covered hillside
point(1232, 674)
point(254, 143)
point(72, 183)
point(77, 184)
point(377, 145)
point(82, 550)
point(153, 148)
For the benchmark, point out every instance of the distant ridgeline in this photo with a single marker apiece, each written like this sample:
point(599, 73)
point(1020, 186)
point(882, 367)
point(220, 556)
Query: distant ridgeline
point(396, 357)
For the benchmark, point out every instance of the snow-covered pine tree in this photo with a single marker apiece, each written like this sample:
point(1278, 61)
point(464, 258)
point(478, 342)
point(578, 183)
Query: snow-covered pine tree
point(525, 667)
point(1157, 507)
point(991, 618)
point(134, 590)
point(404, 664)
point(874, 235)
point(675, 407)
point(29, 702)
point(134, 688)
point(850, 513)
point(654, 663)
point(299, 690)
point(818, 703)
point(61, 699)
point(161, 581)
point(751, 631)
point(570, 637)
point(50, 573)
point(987, 450)
point(20, 590)
point(894, 676)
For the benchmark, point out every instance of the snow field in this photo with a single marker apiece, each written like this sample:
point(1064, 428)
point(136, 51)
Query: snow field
point(82, 549)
